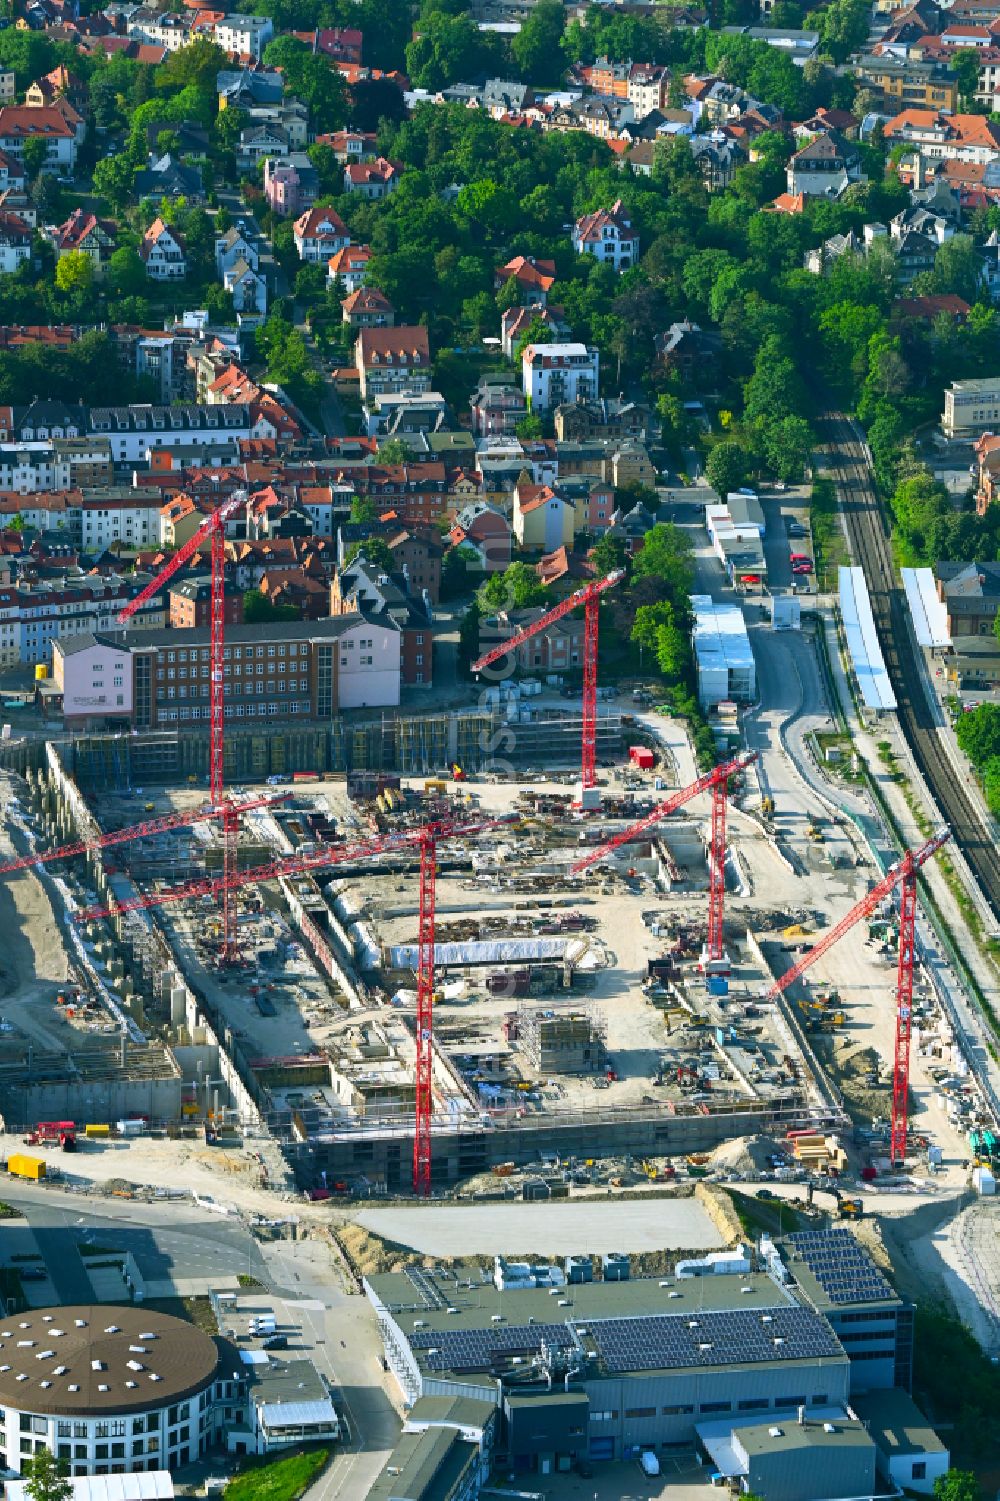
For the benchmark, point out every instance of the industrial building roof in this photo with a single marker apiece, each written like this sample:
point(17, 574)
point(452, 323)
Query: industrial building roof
point(460, 1412)
point(292, 1381)
point(720, 633)
point(930, 614)
point(424, 1466)
point(896, 1423)
point(91, 1359)
point(862, 641)
point(731, 1442)
point(835, 1271)
point(643, 1325)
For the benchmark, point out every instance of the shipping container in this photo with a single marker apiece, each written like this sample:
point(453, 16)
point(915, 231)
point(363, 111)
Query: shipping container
point(20, 1165)
point(97, 1130)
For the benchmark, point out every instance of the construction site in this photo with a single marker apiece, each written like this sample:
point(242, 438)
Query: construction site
point(500, 978)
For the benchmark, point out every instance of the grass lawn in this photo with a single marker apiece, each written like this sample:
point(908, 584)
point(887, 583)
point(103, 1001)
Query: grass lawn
point(829, 545)
point(277, 1479)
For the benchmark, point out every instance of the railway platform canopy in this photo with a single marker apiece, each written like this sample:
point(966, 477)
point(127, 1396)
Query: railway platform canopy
point(929, 614)
point(863, 643)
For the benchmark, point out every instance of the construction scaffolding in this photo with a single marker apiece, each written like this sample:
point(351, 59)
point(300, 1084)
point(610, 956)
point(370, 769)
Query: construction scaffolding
point(562, 1041)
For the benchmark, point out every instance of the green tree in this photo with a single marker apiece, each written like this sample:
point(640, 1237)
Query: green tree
point(668, 555)
point(373, 550)
point(114, 177)
point(395, 451)
point(126, 273)
point(958, 1485)
point(363, 510)
point(46, 1478)
point(35, 155)
point(657, 629)
point(978, 733)
point(517, 588)
point(536, 47)
point(312, 79)
point(964, 63)
point(74, 272)
point(726, 467)
point(259, 610)
point(194, 65)
point(608, 554)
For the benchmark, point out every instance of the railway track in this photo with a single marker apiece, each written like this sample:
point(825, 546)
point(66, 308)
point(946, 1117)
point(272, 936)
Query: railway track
point(869, 538)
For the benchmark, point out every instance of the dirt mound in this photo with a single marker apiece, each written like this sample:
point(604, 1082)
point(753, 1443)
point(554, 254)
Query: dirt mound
point(745, 1154)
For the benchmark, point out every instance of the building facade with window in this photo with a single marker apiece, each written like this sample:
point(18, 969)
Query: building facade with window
point(114, 1390)
point(306, 670)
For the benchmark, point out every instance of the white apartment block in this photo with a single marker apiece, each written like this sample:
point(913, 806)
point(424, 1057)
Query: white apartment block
point(554, 374)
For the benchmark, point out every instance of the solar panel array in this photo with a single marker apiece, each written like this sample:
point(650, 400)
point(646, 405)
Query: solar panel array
point(478, 1349)
point(843, 1269)
point(657, 1342)
point(737, 1336)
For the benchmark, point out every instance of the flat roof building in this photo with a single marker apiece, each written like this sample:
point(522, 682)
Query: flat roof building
point(909, 1453)
point(723, 657)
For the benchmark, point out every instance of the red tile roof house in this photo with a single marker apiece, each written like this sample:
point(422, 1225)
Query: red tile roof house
point(372, 180)
point(319, 234)
point(390, 360)
point(83, 231)
point(349, 266)
point(368, 308)
point(534, 278)
point(20, 123)
point(607, 234)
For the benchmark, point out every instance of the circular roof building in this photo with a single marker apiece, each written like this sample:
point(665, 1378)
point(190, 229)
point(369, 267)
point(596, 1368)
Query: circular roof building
point(112, 1388)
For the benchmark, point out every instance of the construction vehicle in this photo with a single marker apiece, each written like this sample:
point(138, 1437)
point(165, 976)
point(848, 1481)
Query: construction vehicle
point(52, 1132)
point(457, 774)
point(815, 833)
point(851, 1209)
point(767, 807)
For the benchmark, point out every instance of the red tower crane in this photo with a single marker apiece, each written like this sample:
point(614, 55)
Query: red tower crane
point(589, 597)
point(213, 531)
point(716, 782)
point(426, 840)
point(135, 831)
point(904, 875)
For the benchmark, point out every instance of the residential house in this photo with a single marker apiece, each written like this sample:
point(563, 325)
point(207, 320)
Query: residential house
point(556, 648)
point(970, 592)
point(244, 36)
point(374, 180)
point(543, 519)
point(291, 186)
point(15, 242)
point(162, 251)
point(987, 450)
point(83, 231)
point(648, 88)
point(611, 418)
point(242, 88)
point(608, 235)
point(235, 245)
point(971, 407)
point(393, 359)
point(826, 167)
point(552, 374)
point(937, 136)
point(349, 145)
point(58, 84)
point(343, 44)
point(166, 177)
point(290, 118)
point(258, 142)
point(533, 278)
point(717, 157)
point(516, 321)
point(362, 588)
point(368, 308)
point(908, 84)
point(632, 466)
point(349, 266)
point(248, 289)
point(319, 234)
point(689, 350)
point(21, 123)
point(189, 602)
point(417, 555)
point(498, 404)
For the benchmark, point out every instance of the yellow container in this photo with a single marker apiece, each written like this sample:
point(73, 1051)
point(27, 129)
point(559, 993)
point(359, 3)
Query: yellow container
point(97, 1130)
point(41, 672)
point(20, 1165)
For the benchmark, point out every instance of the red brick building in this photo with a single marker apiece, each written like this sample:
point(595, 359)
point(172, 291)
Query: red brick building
point(189, 603)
